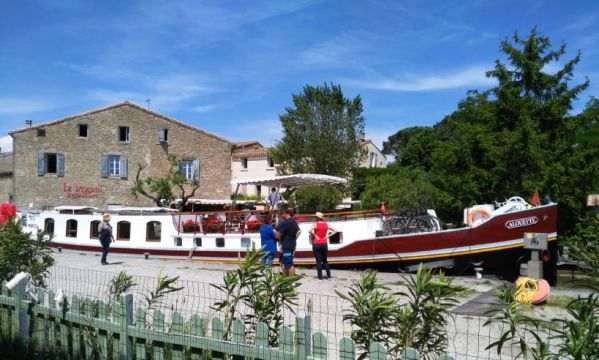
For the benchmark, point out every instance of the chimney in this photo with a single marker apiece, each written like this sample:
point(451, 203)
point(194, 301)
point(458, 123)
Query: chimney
point(28, 122)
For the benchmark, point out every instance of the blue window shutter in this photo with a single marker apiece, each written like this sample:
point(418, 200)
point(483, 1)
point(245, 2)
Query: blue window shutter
point(196, 170)
point(60, 165)
point(161, 135)
point(123, 166)
point(41, 163)
point(104, 166)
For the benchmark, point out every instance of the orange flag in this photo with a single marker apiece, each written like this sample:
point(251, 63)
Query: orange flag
point(535, 198)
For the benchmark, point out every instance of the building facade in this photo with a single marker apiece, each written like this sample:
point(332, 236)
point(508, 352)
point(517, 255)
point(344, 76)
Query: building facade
point(249, 161)
point(374, 157)
point(6, 186)
point(93, 158)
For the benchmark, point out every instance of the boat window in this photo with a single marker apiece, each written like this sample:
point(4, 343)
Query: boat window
point(71, 228)
point(220, 242)
point(178, 241)
point(93, 229)
point(336, 238)
point(197, 241)
point(123, 230)
point(245, 242)
point(153, 229)
point(49, 226)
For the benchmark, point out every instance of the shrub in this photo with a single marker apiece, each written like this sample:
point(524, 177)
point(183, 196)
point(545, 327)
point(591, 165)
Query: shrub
point(20, 253)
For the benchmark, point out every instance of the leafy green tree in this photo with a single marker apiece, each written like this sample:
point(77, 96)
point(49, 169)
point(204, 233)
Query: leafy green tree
point(321, 133)
point(160, 189)
point(312, 199)
point(19, 253)
point(407, 188)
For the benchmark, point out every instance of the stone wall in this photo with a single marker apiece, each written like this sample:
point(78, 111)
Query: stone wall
point(83, 184)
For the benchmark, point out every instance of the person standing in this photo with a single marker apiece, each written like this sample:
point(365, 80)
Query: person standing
point(287, 232)
point(274, 199)
point(105, 231)
point(320, 234)
point(268, 242)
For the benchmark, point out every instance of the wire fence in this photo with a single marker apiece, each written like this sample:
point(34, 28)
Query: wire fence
point(468, 338)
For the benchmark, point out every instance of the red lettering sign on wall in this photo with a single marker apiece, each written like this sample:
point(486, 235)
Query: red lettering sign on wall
point(81, 191)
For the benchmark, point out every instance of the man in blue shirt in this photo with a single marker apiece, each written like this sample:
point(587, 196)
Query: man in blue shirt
point(288, 232)
point(268, 242)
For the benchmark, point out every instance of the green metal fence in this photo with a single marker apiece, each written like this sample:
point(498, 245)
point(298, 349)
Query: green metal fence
point(93, 329)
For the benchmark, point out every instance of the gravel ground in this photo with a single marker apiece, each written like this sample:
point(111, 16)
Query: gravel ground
point(82, 274)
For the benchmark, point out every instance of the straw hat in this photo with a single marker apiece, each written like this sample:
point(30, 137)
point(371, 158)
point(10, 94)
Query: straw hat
point(106, 217)
point(319, 215)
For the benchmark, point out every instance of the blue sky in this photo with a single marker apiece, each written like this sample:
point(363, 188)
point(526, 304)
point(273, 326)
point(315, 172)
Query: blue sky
point(230, 67)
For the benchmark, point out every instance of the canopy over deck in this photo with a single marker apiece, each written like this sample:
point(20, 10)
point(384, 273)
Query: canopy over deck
point(287, 181)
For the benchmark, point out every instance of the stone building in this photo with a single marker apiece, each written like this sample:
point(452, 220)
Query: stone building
point(249, 161)
point(93, 158)
point(6, 187)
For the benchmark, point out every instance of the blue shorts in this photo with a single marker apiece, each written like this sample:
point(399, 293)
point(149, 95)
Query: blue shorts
point(286, 258)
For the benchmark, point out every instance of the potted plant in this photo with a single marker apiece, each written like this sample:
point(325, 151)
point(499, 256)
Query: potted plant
point(190, 226)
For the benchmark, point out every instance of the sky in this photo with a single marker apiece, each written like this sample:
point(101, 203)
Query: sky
point(231, 67)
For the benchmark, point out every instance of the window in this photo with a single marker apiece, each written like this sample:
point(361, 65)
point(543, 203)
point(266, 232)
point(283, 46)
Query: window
point(49, 226)
point(372, 160)
point(94, 233)
point(190, 169)
point(82, 130)
point(178, 241)
point(187, 169)
point(153, 231)
point(71, 228)
point(50, 163)
point(271, 163)
point(259, 190)
point(245, 242)
point(124, 134)
point(163, 135)
point(336, 238)
point(114, 166)
point(41, 132)
point(197, 241)
point(123, 230)
point(220, 242)
point(244, 163)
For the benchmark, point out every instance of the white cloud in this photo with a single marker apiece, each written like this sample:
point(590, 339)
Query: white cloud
point(266, 131)
point(469, 77)
point(204, 108)
point(14, 106)
point(6, 143)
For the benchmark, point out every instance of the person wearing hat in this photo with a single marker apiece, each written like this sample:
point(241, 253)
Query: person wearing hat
point(319, 237)
point(105, 231)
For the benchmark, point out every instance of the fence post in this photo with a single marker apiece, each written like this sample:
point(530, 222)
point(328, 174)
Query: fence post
point(303, 337)
point(20, 322)
point(125, 320)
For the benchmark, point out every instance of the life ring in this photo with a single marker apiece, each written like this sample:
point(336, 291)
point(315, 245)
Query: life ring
point(484, 213)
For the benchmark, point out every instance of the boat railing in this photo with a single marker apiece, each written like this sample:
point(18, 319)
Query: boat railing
point(249, 221)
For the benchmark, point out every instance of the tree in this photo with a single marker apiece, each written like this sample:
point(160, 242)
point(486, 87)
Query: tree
point(514, 138)
point(321, 133)
point(19, 253)
point(160, 189)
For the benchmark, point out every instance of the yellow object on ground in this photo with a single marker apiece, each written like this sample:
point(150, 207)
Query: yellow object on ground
point(526, 289)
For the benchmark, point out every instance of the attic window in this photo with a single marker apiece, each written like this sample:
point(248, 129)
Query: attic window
point(271, 162)
point(163, 135)
point(123, 133)
point(83, 130)
point(41, 132)
point(244, 163)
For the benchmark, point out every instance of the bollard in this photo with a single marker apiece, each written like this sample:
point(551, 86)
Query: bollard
point(146, 256)
point(60, 249)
